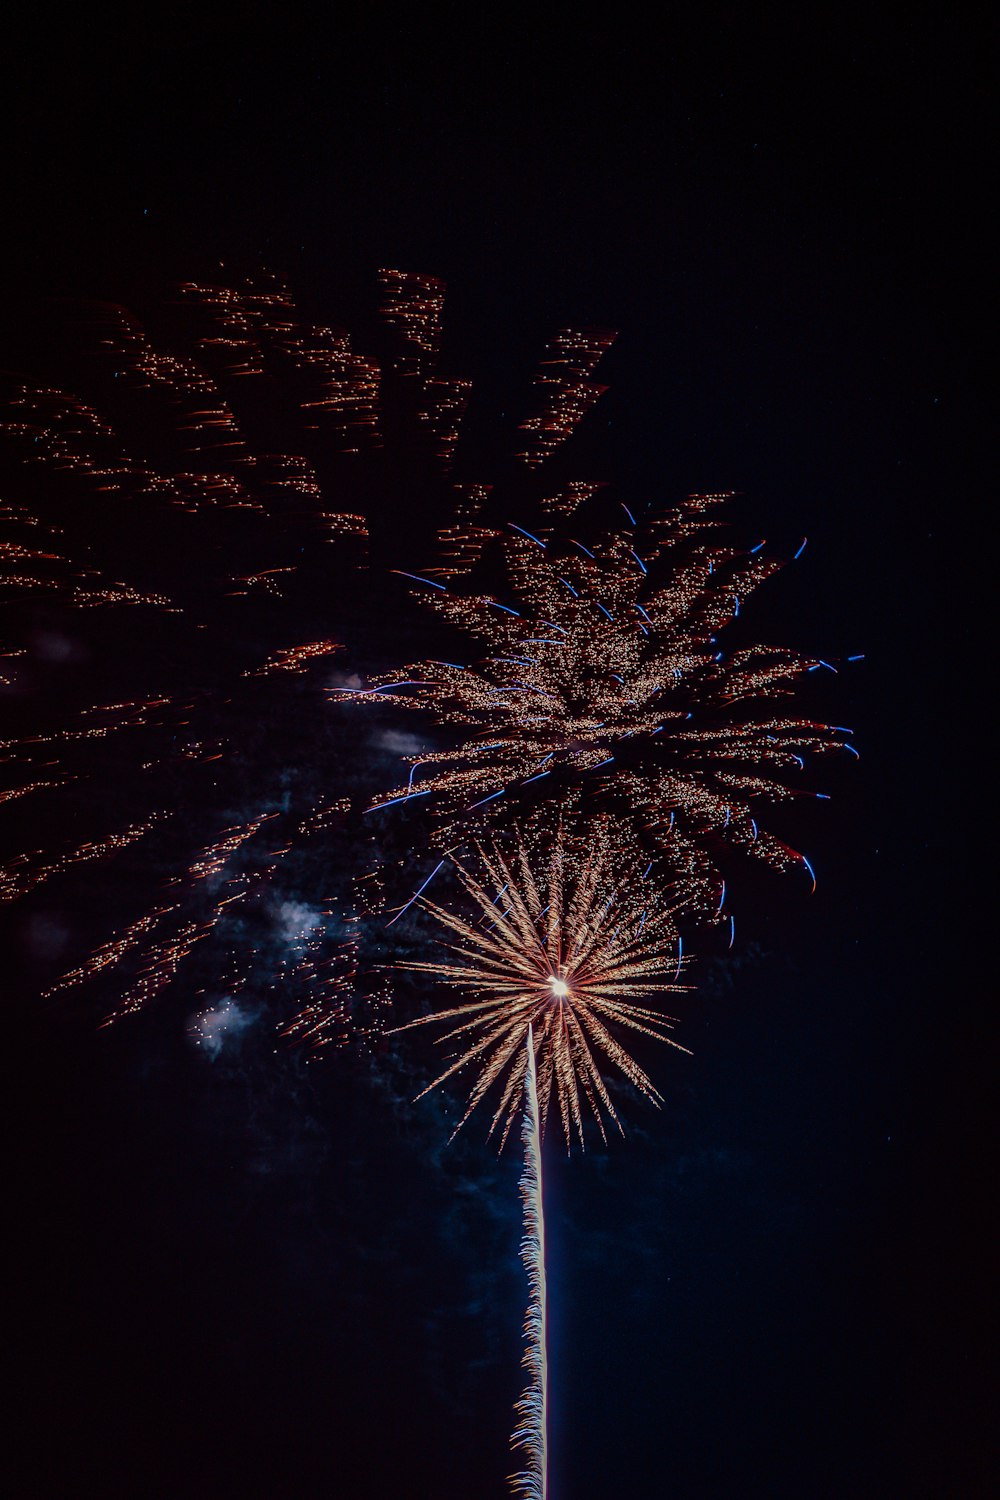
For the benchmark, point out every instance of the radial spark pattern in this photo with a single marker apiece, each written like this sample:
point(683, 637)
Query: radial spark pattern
point(567, 938)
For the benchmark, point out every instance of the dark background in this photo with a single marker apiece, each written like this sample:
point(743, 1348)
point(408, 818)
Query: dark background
point(276, 1281)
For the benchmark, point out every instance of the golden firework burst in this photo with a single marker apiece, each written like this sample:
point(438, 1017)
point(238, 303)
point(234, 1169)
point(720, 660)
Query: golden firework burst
point(564, 953)
point(609, 668)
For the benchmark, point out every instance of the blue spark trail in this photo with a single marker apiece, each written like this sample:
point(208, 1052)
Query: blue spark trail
point(417, 579)
point(413, 898)
point(527, 534)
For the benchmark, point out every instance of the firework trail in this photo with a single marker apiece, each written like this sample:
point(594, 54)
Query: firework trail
point(531, 1430)
point(22, 874)
point(171, 473)
point(564, 952)
point(232, 486)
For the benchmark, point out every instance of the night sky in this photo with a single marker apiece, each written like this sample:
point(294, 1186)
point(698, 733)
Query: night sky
point(256, 1277)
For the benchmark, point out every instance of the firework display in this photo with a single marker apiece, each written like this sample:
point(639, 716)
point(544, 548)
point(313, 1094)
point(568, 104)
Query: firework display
point(564, 393)
point(173, 459)
point(568, 937)
point(587, 769)
point(606, 668)
point(259, 442)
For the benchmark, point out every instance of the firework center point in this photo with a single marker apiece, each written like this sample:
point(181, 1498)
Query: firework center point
point(559, 987)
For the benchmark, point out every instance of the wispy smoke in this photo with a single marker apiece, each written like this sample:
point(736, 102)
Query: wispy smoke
point(296, 921)
point(220, 1026)
point(399, 742)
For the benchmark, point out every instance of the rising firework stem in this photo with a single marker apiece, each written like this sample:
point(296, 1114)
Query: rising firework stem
point(567, 937)
point(531, 1433)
